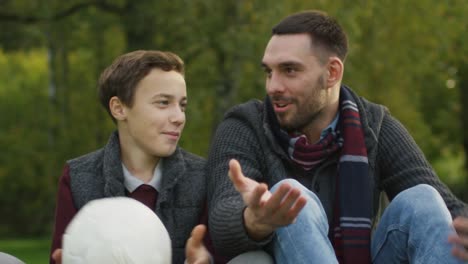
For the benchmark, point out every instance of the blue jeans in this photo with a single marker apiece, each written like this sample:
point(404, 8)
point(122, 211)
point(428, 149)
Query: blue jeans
point(413, 229)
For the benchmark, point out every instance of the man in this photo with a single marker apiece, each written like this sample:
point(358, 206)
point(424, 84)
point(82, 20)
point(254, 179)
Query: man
point(326, 154)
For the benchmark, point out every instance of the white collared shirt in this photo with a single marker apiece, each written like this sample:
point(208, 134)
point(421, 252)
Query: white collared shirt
point(131, 182)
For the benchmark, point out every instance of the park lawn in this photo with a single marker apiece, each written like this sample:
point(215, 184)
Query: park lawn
point(30, 251)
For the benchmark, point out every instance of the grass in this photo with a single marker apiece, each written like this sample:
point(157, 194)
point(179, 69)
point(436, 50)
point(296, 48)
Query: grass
point(30, 251)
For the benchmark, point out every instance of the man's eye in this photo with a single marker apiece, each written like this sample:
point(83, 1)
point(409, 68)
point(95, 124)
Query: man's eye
point(267, 72)
point(290, 70)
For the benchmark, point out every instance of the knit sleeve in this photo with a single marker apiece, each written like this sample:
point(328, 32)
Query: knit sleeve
point(403, 165)
point(234, 139)
point(64, 212)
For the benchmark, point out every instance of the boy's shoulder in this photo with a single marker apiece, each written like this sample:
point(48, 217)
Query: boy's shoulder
point(87, 162)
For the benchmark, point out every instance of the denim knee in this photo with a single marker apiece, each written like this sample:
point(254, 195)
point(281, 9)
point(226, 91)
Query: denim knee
point(423, 198)
point(291, 182)
point(297, 185)
point(419, 192)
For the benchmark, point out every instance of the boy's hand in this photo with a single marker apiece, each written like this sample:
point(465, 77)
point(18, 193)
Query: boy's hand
point(195, 250)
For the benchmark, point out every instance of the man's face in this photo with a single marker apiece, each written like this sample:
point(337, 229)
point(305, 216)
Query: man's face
point(154, 123)
point(295, 81)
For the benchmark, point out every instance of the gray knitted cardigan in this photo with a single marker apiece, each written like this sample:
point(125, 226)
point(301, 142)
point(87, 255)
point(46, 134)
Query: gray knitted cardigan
point(395, 164)
point(180, 202)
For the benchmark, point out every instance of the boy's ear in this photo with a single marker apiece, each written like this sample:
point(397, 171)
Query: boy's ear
point(117, 108)
point(335, 71)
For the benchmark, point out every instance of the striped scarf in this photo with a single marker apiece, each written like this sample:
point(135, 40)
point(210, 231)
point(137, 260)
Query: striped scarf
point(308, 155)
point(350, 233)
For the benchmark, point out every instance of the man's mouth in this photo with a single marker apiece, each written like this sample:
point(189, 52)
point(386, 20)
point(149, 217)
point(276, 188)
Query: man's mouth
point(281, 106)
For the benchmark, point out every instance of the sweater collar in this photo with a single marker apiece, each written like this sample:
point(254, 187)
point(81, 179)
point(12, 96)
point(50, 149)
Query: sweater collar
point(112, 168)
point(173, 170)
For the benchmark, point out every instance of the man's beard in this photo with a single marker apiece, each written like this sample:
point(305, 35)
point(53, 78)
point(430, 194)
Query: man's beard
point(308, 114)
point(299, 123)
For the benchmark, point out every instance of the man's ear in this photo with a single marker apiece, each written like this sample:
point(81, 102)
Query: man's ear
point(335, 70)
point(117, 108)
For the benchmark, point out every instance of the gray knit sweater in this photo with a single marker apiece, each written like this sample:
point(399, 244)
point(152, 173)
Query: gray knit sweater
point(181, 199)
point(395, 164)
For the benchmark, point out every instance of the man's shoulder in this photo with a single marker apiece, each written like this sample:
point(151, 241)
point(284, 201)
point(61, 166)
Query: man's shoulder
point(253, 107)
point(371, 113)
point(362, 102)
point(250, 113)
point(370, 106)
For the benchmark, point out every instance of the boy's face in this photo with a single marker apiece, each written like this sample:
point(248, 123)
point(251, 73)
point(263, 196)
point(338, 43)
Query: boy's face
point(154, 124)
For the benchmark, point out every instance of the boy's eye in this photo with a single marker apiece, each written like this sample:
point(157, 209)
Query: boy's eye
point(163, 102)
point(183, 106)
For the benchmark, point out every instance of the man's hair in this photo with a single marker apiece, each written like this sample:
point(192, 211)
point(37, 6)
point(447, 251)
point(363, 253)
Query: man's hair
point(323, 30)
point(122, 76)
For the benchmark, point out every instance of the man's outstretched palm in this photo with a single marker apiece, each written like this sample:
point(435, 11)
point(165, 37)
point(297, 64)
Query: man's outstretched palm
point(265, 211)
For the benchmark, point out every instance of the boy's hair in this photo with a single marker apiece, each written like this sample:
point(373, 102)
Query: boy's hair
point(324, 31)
point(122, 76)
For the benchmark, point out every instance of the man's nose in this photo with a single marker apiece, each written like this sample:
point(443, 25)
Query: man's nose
point(274, 84)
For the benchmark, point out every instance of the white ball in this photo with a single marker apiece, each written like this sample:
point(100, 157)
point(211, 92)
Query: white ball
point(116, 230)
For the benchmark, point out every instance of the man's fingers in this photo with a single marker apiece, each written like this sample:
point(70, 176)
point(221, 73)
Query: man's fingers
point(236, 175)
point(296, 209)
point(259, 196)
point(290, 206)
point(459, 240)
point(289, 201)
point(277, 198)
point(460, 253)
point(461, 225)
point(460, 246)
point(281, 208)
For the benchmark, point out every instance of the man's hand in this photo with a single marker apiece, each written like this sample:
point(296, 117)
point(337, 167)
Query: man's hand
point(57, 256)
point(195, 251)
point(460, 241)
point(265, 211)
